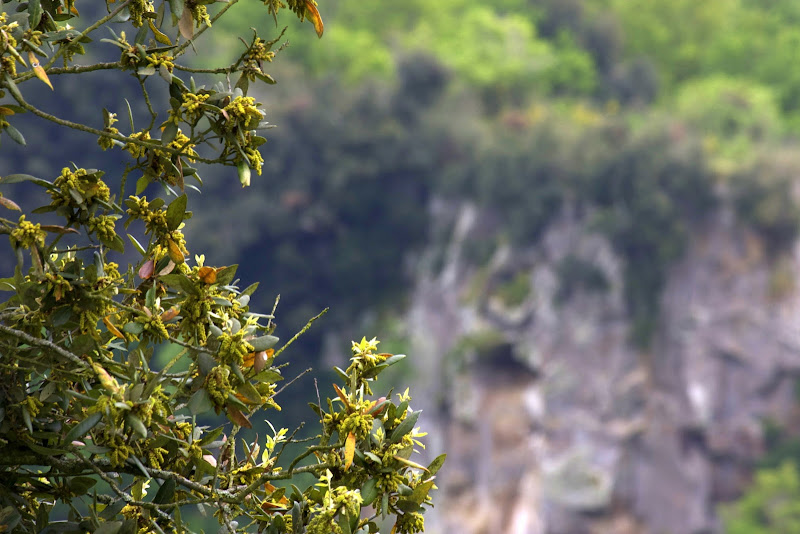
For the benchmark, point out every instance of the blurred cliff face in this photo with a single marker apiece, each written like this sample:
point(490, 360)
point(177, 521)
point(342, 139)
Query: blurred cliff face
point(556, 423)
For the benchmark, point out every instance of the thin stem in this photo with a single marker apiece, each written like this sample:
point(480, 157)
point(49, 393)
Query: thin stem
point(302, 331)
point(63, 50)
point(44, 344)
point(88, 129)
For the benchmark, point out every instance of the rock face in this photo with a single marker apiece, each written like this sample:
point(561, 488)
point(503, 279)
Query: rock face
point(556, 424)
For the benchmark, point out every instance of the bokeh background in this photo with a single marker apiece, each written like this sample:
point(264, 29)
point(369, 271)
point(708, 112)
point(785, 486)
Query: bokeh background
point(577, 217)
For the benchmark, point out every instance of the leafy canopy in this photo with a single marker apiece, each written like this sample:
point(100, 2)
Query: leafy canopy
point(96, 435)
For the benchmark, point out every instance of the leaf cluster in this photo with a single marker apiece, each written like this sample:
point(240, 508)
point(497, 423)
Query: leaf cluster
point(89, 417)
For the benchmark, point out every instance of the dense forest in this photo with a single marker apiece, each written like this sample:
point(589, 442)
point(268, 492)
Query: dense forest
point(641, 115)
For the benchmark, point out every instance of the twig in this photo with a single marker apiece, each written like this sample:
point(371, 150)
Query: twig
point(302, 331)
point(44, 344)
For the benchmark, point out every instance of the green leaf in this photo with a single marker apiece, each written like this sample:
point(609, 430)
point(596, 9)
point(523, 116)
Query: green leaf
point(115, 244)
point(139, 248)
point(163, 70)
point(17, 178)
point(110, 511)
point(436, 464)
point(9, 518)
point(421, 490)
point(226, 274)
point(242, 167)
point(369, 491)
point(63, 527)
point(176, 6)
point(176, 211)
point(236, 403)
point(263, 343)
point(136, 425)
point(81, 485)
point(344, 523)
point(405, 426)
point(142, 183)
point(407, 505)
point(79, 430)
point(45, 451)
point(166, 492)
point(210, 436)
point(268, 376)
point(266, 78)
point(180, 282)
point(249, 392)
point(169, 133)
point(111, 527)
point(297, 518)
point(15, 134)
point(133, 328)
point(394, 359)
point(26, 418)
point(200, 402)
point(34, 13)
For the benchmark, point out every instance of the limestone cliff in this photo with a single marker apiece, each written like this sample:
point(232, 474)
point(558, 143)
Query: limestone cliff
point(555, 423)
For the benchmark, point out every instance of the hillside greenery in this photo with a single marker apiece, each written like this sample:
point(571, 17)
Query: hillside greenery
point(640, 116)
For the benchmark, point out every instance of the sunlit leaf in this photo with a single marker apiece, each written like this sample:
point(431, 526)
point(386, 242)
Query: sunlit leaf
point(170, 314)
point(175, 252)
point(207, 274)
point(342, 396)
point(313, 15)
point(111, 328)
point(160, 37)
point(38, 70)
point(8, 203)
point(349, 450)
point(409, 463)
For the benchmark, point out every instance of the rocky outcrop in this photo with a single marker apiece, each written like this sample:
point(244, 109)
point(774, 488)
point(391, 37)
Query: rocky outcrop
point(556, 424)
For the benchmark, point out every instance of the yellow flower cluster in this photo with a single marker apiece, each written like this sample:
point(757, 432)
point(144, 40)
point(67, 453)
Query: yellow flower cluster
point(218, 386)
point(156, 60)
point(7, 41)
point(193, 105)
point(137, 151)
point(233, 348)
point(242, 113)
point(102, 226)
point(137, 10)
point(88, 187)
point(27, 234)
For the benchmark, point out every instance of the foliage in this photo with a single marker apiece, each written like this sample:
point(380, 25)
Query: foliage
point(576, 274)
point(764, 198)
point(516, 290)
point(88, 420)
point(770, 504)
point(338, 224)
point(736, 116)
